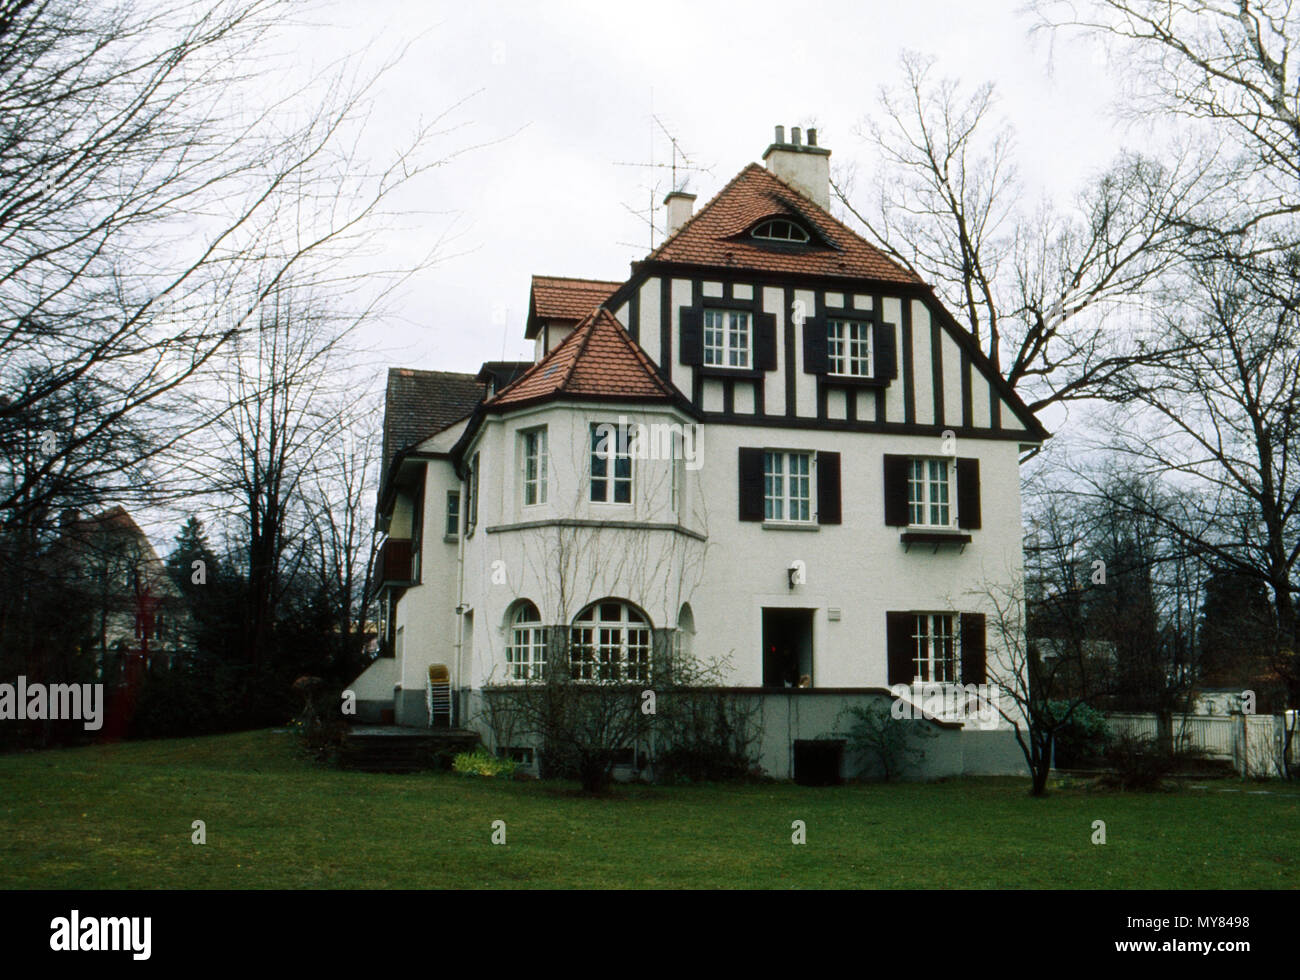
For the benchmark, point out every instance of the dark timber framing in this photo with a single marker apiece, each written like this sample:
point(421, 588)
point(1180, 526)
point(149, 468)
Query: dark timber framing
point(936, 369)
point(972, 359)
point(909, 388)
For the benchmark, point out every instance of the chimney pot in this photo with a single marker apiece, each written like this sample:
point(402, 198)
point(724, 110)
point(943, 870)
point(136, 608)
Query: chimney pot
point(805, 167)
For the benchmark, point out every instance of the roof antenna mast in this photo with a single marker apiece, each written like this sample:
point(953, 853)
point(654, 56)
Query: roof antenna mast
point(681, 164)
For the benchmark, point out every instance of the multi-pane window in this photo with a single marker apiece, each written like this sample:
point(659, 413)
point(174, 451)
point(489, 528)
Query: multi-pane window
point(934, 647)
point(526, 651)
point(848, 348)
point(611, 465)
point(453, 513)
point(929, 492)
point(727, 339)
point(779, 230)
point(787, 486)
point(610, 641)
point(534, 450)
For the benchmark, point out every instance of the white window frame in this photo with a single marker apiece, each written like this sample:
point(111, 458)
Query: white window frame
point(789, 225)
point(603, 649)
point(526, 649)
point(849, 352)
point(451, 520)
point(781, 503)
point(728, 338)
point(928, 497)
point(619, 451)
point(533, 450)
point(931, 662)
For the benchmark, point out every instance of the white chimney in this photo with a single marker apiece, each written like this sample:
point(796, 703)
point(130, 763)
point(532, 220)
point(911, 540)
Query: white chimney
point(680, 208)
point(805, 166)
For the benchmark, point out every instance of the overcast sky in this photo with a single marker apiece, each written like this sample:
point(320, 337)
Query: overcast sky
point(566, 93)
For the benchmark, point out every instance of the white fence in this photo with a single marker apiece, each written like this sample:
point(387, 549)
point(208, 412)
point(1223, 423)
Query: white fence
point(1253, 743)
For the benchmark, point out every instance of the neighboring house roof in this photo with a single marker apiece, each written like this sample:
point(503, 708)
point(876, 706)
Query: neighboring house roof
point(495, 375)
point(718, 235)
point(420, 403)
point(597, 361)
point(113, 538)
point(564, 298)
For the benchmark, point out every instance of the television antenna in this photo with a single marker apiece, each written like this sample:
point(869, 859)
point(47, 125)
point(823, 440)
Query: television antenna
point(680, 163)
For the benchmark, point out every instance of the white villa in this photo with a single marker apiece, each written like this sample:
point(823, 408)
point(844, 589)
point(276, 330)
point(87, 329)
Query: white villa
point(770, 443)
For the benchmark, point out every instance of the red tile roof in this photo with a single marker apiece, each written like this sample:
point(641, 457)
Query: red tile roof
point(718, 235)
point(597, 360)
point(562, 298)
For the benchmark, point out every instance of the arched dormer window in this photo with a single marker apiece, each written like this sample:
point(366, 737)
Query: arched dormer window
point(610, 641)
point(526, 646)
point(781, 230)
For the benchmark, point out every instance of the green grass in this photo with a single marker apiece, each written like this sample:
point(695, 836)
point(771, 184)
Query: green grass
point(119, 816)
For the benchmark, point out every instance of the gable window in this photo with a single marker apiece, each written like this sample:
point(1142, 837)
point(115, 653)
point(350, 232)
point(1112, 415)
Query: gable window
point(526, 651)
point(610, 641)
point(934, 648)
point(780, 230)
point(929, 493)
point(453, 513)
point(848, 348)
point(611, 464)
point(727, 339)
point(787, 486)
point(535, 464)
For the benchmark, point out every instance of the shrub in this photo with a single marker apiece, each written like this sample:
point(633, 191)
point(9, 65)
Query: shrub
point(1139, 763)
point(1083, 739)
point(706, 736)
point(480, 762)
point(874, 734)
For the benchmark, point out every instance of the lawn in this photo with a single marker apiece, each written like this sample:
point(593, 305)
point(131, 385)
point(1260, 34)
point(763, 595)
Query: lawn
point(120, 816)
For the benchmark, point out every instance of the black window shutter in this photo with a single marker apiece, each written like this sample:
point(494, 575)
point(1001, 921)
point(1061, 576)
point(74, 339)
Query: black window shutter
point(896, 510)
point(751, 484)
point(765, 341)
point(968, 493)
point(898, 632)
point(885, 350)
point(692, 346)
point(828, 488)
point(972, 648)
point(814, 345)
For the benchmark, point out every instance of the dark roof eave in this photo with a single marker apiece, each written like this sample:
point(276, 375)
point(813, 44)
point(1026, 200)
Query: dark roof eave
point(676, 401)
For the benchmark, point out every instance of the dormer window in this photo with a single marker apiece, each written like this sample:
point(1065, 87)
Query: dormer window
point(781, 230)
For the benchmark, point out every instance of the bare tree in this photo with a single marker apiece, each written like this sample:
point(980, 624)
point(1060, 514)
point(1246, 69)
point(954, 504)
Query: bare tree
point(340, 527)
point(1227, 67)
point(161, 179)
point(275, 422)
point(1224, 418)
point(1041, 289)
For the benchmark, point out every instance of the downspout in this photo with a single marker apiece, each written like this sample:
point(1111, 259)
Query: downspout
point(462, 517)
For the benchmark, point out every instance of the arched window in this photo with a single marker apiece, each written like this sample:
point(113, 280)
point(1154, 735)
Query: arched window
point(610, 641)
point(780, 230)
point(526, 646)
point(684, 635)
